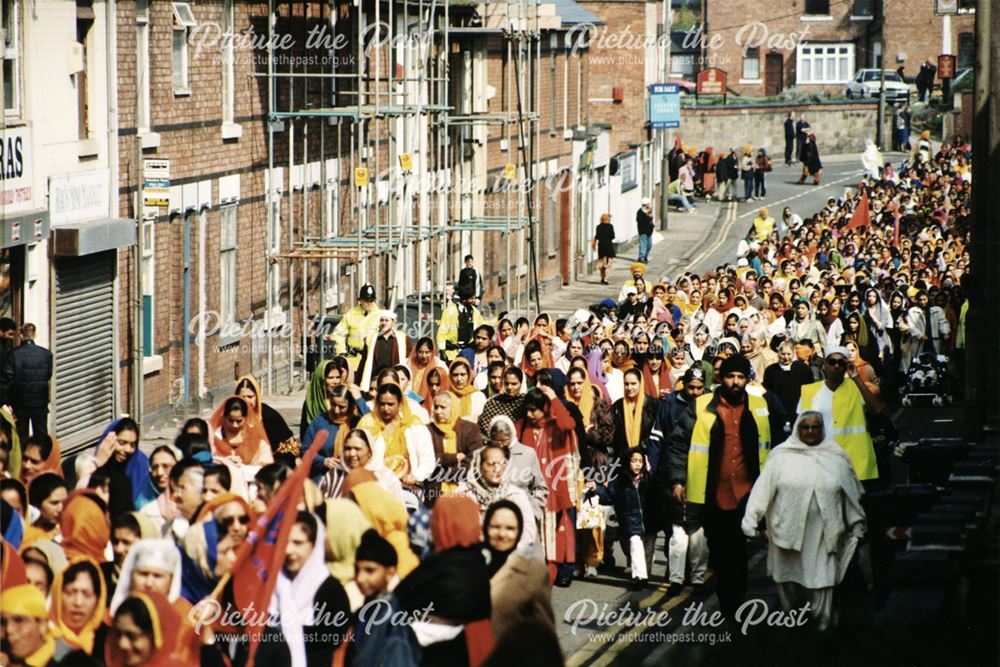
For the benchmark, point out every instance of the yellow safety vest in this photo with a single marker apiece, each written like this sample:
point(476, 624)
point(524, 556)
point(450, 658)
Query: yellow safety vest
point(850, 427)
point(701, 437)
point(448, 328)
point(763, 227)
point(353, 330)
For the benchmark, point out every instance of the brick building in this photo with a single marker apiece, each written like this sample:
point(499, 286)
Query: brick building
point(818, 45)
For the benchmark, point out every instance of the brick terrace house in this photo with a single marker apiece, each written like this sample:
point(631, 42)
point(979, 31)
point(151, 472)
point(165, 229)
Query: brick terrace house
point(818, 45)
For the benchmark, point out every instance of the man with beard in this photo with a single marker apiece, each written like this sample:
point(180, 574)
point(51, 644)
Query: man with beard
point(716, 453)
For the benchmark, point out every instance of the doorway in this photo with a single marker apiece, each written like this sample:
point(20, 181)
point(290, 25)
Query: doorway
point(774, 74)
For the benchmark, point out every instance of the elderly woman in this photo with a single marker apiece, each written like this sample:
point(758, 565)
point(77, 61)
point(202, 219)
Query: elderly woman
point(523, 468)
point(77, 609)
point(811, 499)
point(488, 481)
point(357, 455)
point(454, 440)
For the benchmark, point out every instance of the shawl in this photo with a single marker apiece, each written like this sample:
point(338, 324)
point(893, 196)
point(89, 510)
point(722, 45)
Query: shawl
point(348, 524)
point(595, 368)
point(665, 385)
point(462, 407)
point(293, 600)
point(633, 420)
point(442, 373)
point(159, 554)
point(316, 396)
point(250, 450)
point(51, 464)
point(85, 527)
point(207, 509)
point(485, 494)
point(14, 458)
point(199, 558)
point(395, 446)
point(84, 638)
point(419, 374)
point(449, 441)
point(168, 630)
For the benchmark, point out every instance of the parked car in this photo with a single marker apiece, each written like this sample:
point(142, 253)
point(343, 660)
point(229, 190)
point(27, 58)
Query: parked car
point(867, 83)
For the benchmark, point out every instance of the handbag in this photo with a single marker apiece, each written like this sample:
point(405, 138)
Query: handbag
point(590, 515)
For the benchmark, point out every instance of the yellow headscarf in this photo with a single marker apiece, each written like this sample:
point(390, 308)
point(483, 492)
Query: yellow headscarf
point(388, 517)
point(586, 402)
point(450, 442)
point(342, 543)
point(395, 446)
point(633, 418)
point(84, 639)
point(463, 396)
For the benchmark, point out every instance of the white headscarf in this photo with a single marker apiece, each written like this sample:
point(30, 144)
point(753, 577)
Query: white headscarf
point(293, 600)
point(162, 555)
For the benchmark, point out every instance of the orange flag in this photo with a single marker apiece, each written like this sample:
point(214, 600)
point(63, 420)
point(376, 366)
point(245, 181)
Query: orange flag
point(860, 217)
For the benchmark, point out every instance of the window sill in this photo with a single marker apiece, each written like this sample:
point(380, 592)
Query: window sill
point(817, 18)
point(860, 18)
point(231, 131)
point(229, 341)
point(751, 81)
point(153, 364)
point(87, 148)
point(149, 139)
point(182, 92)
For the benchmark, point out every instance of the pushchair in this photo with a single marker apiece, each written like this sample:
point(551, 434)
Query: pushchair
point(926, 381)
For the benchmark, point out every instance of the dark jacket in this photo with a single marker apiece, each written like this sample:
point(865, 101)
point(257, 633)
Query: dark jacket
point(789, 128)
point(810, 157)
point(680, 442)
point(649, 409)
point(666, 418)
point(787, 385)
point(26, 375)
point(644, 222)
point(604, 234)
point(728, 168)
point(629, 501)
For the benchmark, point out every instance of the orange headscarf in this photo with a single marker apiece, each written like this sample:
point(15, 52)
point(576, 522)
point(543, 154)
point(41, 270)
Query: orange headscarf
point(253, 433)
point(419, 375)
point(208, 508)
point(53, 463)
point(84, 638)
point(258, 401)
point(664, 376)
point(455, 522)
point(442, 373)
point(85, 527)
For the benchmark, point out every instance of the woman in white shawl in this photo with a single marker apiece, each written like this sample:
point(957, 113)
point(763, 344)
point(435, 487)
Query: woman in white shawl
point(878, 316)
point(811, 498)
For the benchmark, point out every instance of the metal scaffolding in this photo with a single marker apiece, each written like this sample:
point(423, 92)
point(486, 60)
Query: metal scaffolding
point(401, 115)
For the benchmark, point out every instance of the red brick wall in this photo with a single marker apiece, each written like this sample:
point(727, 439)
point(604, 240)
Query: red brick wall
point(912, 28)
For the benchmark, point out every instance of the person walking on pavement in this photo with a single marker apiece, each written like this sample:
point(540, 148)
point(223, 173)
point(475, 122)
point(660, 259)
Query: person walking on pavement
point(26, 375)
point(357, 326)
point(789, 138)
point(458, 322)
point(802, 129)
point(761, 165)
point(644, 225)
point(604, 244)
point(746, 172)
point(843, 405)
point(716, 454)
point(811, 164)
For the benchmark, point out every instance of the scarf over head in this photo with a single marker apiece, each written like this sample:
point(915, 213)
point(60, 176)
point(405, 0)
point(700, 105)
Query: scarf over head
point(253, 433)
point(168, 626)
point(161, 555)
point(316, 394)
point(455, 522)
point(462, 405)
point(82, 639)
point(633, 419)
point(388, 517)
point(348, 525)
point(85, 527)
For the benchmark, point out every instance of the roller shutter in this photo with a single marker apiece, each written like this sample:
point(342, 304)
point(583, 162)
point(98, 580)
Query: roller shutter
point(84, 348)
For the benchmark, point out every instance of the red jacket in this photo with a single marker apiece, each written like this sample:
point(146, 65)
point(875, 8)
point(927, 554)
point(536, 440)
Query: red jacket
point(555, 444)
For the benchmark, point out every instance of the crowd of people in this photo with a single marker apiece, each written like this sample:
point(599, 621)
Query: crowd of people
point(468, 473)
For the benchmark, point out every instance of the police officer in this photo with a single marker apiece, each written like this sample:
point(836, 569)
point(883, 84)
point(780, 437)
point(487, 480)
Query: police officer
point(357, 325)
point(716, 453)
point(458, 322)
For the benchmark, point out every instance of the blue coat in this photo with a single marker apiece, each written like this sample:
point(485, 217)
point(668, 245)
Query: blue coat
point(628, 500)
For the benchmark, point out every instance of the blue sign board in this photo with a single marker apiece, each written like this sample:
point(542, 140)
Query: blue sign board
point(663, 106)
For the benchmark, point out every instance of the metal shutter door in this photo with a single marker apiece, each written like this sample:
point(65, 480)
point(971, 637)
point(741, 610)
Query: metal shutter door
point(84, 348)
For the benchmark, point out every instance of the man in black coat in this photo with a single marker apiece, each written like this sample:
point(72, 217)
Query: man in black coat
point(789, 138)
point(7, 330)
point(26, 374)
point(801, 132)
point(726, 172)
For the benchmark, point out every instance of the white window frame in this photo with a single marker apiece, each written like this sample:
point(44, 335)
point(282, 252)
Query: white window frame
point(274, 247)
point(183, 22)
point(142, 29)
point(746, 76)
point(228, 60)
point(149, 272)
point(12, 53)
point(227, 263)
point(332, 230)
point(815, 53)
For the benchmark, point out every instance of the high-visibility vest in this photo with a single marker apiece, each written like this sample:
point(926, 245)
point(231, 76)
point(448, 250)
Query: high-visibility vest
point(763, 227)
point(701, 437)
point(850, 428)
point(353, 330)
point(448, 328)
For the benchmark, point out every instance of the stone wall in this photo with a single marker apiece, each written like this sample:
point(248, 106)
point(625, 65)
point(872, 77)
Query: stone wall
point(839, 127)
